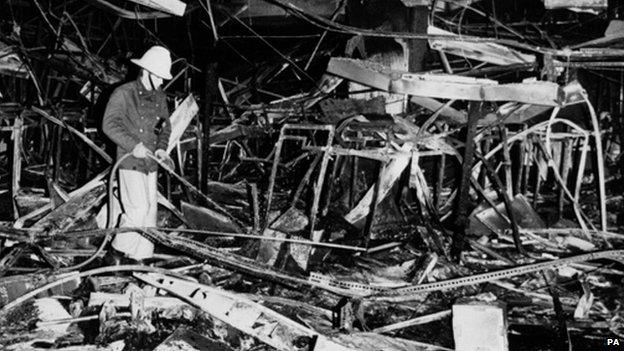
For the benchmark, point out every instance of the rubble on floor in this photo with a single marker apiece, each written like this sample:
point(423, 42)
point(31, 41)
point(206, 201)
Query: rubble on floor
point(483, 215)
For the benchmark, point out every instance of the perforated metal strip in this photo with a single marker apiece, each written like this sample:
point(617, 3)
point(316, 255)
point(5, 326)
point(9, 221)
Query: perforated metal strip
point(407, 293)
point(346, 288)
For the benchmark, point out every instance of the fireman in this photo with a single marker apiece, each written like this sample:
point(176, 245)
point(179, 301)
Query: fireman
point(136, 119)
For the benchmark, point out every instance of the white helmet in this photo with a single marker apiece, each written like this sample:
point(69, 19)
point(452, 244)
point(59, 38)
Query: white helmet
point(156, 60)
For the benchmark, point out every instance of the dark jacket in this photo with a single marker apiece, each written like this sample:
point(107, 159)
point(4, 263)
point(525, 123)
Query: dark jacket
point(131, 117)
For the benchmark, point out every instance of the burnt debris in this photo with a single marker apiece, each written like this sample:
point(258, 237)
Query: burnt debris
point(344, 175)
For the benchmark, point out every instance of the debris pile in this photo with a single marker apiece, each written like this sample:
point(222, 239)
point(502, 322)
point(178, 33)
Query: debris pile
point(421, 181)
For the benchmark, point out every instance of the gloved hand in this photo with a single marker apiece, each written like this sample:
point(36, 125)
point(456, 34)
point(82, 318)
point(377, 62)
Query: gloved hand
point(139, 151)
point(163, 156)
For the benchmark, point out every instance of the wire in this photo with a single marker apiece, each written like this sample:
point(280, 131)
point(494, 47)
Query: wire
point(340, 28)
point(287, 59)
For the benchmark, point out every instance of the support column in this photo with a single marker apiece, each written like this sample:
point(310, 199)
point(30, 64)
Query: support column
point(475, 111)
point(417, 48)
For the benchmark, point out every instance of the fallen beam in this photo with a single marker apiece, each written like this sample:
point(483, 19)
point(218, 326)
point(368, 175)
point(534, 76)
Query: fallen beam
point(444, 86)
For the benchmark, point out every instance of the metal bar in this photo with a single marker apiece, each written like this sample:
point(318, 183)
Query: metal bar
point(538, 178)
point(411, 293)
point(373, 206)
point(574, 198)
point(330, 187)
point(521, 154)
point(318, 44)
point(483, 180)
point(354, 174)
point(305, 180)
point(273, 176)
point(566, 160)
point(440, 179)
point(506, 161)
point(475, 111)
point(17, 162)
point(252, 191)
point(526, 163)
point(414, 321)
point(498, 185)
point(599, 161)
point(276, 158)
point(319, 182)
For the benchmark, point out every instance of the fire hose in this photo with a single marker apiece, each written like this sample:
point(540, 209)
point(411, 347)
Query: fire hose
point(367, 291)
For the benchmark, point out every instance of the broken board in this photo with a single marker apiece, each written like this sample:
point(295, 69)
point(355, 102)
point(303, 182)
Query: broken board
point(73, 211)
point(245, 315)
point(180, 119)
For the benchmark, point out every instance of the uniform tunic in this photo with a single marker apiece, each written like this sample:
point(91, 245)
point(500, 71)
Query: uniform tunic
point(131, 116)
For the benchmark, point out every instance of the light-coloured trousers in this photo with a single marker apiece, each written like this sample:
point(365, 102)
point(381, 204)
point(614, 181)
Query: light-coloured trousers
point(138, 195)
